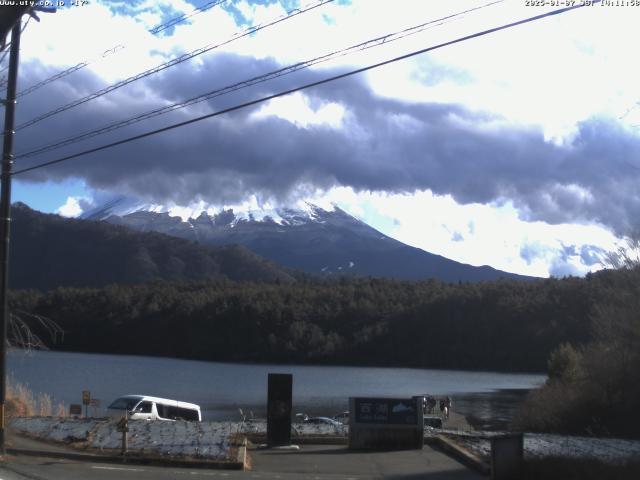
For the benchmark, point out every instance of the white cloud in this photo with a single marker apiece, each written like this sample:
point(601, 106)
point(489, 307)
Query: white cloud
point(548, 76)
point(295, 108)
point(71, 207)
point(474, 233)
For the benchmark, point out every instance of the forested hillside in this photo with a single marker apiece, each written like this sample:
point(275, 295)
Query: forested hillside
point(49, 251)
point(593, 386)
point(503, 325)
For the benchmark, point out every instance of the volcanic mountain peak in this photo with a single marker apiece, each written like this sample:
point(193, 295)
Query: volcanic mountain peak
point(307, 237)
point(202, 214)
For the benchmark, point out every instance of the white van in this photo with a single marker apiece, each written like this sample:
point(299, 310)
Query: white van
point(143, 407)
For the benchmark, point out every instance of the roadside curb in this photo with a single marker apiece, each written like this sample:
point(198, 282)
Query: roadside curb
point(259, 438)
point(461, 454)
point(238, 464)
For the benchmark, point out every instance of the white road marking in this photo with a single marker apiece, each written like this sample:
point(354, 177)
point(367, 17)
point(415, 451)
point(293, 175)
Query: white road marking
point(119, 468)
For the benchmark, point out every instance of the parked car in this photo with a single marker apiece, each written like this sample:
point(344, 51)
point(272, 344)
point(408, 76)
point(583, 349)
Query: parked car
point(324, 421)
point(342, 418)
point(300, 418)
point(144, 407)
point(433, 422)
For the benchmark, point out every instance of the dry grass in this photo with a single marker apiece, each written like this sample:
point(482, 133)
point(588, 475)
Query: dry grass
point(21, 402)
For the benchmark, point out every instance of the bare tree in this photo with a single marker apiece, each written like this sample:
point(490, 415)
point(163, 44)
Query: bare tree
point(22, 327)
point(625, 256)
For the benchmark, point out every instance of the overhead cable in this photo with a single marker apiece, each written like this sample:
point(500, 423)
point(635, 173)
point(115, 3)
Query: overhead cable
point(155, 30)
point(171, 63)
point(302, 87)
point(182, 18)
point(375, 42)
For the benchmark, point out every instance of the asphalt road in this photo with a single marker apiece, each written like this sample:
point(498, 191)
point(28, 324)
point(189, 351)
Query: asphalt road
point(312, 462)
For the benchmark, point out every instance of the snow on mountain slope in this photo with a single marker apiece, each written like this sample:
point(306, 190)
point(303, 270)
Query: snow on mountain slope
point(307, 238)
point(122, 206)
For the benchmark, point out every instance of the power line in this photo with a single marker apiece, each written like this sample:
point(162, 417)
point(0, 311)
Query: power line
point(376, 42)
point(182, 18)
point(6, 50)
point(303, 87)
point(155, 30)
point(171, 63)
point(4, 55)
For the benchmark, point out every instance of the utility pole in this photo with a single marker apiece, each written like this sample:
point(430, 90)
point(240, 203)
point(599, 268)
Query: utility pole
point(5, 216)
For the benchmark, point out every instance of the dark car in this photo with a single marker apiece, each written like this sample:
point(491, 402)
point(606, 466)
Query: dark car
point(433, 422)
point(324, 421)
point(342, 418)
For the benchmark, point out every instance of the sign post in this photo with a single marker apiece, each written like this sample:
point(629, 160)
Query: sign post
point(75, 410)
point(123, 427)
point(280, 388)
point(86, 401)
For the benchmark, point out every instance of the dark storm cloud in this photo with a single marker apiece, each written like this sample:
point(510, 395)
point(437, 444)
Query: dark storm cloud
point(383, 145)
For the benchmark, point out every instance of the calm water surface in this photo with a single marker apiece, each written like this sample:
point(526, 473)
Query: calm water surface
point(221, 388)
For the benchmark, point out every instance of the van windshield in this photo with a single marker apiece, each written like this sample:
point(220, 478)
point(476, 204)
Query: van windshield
point(124, 403)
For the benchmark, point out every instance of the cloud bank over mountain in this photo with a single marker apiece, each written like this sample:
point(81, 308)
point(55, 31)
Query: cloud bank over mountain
point(359, 132)
point(370, 143)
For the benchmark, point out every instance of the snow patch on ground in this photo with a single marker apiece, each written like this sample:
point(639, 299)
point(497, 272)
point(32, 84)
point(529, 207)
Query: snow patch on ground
point(212, 440)
point(540, 445)
point(300, 429)
point(209, 440)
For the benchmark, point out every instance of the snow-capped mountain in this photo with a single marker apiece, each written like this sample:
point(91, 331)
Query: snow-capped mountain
point(310, 238)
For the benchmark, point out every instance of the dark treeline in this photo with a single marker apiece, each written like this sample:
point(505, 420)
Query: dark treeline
point(502, 325)
point(593, 386)
point(50, 251)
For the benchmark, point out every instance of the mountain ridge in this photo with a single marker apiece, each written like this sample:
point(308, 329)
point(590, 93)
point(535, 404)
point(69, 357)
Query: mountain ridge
point(49, 251)
point(313, 239)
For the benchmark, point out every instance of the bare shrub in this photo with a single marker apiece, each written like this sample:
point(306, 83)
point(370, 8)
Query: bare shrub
point(45, 405)
point(20, 401)
point(61, 410)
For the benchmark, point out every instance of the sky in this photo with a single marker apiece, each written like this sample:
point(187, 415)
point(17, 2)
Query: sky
point(517, 149)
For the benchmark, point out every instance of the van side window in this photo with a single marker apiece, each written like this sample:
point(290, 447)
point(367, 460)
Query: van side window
point(162, 410)
point(144, 407)
point(188, 414)
point(172, 412)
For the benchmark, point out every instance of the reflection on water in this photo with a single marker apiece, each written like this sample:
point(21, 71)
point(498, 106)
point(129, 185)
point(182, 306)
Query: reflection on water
point(221, 388)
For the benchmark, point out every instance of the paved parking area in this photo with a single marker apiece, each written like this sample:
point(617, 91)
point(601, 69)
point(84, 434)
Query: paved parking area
point(333, 461)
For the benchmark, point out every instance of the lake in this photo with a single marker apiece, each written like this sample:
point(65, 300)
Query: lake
point(222, 388)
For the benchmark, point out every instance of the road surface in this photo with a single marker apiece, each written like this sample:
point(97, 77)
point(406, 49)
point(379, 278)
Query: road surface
point(312, 462)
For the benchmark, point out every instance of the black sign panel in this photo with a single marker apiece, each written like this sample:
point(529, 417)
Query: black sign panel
point(279, 409)
point(75, 409)
point(386, 411)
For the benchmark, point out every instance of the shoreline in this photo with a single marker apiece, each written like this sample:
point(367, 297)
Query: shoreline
point(289, 365)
